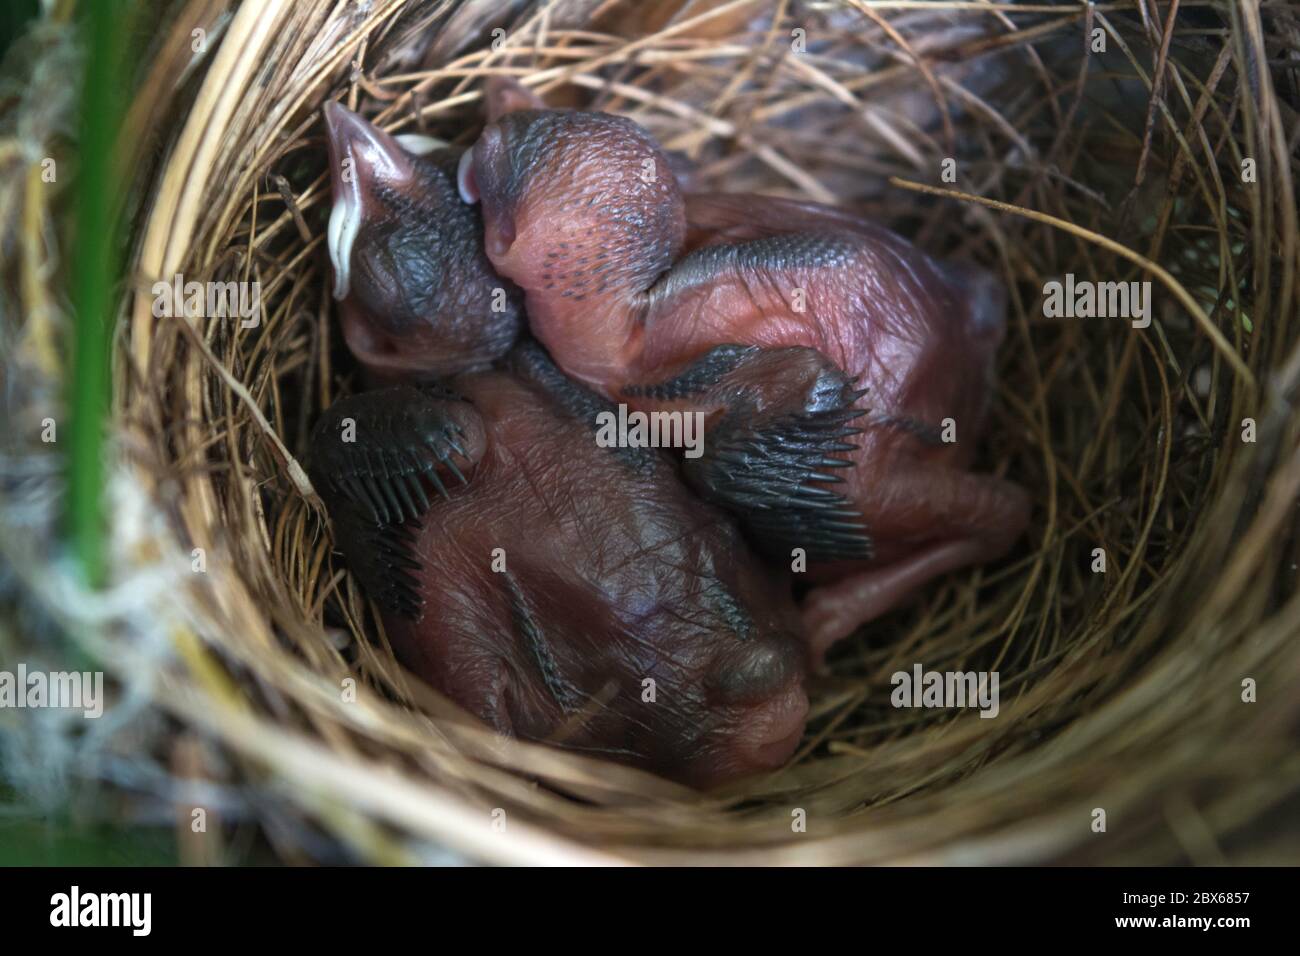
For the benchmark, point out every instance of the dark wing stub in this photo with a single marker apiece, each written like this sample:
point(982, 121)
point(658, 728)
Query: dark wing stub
point(785, 415)
point(771, 475)
point(375, 459)
point(377, 450)
point(382, 559)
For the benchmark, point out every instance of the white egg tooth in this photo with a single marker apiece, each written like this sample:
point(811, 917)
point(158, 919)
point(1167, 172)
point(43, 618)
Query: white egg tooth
point(465, 177)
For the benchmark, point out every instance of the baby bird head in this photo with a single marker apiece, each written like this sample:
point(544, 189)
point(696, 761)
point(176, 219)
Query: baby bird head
point(581, 209)
point(419, 297)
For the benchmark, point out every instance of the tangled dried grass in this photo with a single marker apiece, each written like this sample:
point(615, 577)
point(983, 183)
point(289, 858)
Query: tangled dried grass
point(1120, 691)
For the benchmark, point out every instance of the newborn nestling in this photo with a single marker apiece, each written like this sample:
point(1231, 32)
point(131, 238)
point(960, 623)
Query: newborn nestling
point(773, 318)
point(560, 591)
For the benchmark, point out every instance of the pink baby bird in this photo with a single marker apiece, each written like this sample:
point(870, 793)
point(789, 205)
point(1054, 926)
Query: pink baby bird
point(843, 374)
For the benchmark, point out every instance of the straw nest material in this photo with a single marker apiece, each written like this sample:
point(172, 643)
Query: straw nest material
point(259, 687)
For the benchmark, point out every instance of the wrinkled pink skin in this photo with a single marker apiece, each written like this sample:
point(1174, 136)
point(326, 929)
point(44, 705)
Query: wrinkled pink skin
point(629, 576)
point(582, 211)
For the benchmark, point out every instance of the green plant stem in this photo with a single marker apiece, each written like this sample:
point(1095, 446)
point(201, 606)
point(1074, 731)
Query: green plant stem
point(96, 254)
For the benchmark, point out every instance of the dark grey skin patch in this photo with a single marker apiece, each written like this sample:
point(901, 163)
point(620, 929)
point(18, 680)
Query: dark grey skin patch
point(539, 649)
point(698, 377)
point(533, 364)
point(772, 254)
point(923, 431)
point(722, 603)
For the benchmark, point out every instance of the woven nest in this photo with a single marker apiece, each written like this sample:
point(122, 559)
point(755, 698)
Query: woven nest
point(266, 686)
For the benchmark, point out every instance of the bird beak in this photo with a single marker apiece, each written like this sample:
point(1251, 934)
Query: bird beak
point(362, 157)
point(484, 174)
point(503, 95)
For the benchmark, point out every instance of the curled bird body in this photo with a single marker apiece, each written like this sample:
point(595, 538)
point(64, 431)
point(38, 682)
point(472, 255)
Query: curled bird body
point(844, 373)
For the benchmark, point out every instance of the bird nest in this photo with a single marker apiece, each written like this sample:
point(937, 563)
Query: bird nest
point(1144, 630)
